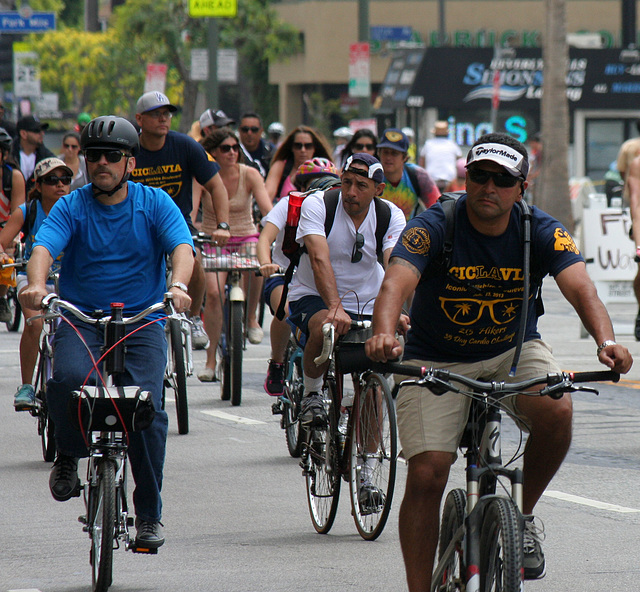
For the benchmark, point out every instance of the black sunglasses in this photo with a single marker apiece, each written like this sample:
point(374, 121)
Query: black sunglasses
point(361, 147)
point(481, 177)
point(356, 254)
point(246, 128)
point(54, 180)
point(228, 147)
point(301, 145)
point(95, 154)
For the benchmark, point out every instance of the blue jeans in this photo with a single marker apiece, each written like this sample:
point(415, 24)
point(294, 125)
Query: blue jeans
point(145, 362)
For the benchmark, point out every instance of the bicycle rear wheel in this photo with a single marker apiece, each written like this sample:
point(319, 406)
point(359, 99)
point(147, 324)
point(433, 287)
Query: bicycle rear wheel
point(372, 472)
point(45, 423)
point(178, 377)
point(236, 345)
point(453, 515)
point(102, 523)
point(16, 311)
point(500, 548)
point(294, 389)
point(321, 468)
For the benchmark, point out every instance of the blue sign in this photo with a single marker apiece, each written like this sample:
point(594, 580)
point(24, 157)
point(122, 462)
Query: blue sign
point(390, 33)
point(38, 22)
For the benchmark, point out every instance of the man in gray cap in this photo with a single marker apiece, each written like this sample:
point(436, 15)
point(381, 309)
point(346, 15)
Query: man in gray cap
point(212, 120)
point(170, 160)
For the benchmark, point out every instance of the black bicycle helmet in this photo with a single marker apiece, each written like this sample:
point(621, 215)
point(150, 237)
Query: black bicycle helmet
point(110, 131)
point(324, 183)
point(5, 140)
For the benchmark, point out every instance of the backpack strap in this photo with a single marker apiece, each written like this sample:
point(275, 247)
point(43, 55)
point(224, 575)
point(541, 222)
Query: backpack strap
point(7, 180)
point(30, 218)
point(383, 219)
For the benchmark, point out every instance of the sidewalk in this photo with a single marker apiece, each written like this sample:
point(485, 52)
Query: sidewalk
point(560, 327)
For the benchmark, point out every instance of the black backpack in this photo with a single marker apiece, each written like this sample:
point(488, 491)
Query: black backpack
point(30, 219)
point(7, 180)
point(331, 197)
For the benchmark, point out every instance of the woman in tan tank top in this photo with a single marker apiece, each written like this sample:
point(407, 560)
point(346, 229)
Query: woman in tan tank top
point(243, 184)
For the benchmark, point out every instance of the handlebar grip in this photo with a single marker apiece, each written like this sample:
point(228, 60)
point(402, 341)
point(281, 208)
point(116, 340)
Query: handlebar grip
point(595, 376)
point(327, 344)
point(399, 368)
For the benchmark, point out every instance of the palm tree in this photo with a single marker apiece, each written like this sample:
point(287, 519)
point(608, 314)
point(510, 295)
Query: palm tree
point(552, 192)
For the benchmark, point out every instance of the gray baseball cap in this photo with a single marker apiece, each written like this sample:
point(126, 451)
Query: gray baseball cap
point(153, 100)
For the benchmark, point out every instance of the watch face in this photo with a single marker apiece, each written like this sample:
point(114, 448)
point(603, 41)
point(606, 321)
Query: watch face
point(223, 226)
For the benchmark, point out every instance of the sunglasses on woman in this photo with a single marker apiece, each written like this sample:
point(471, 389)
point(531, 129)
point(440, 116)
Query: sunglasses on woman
point(54, 180)
point(228, 147)
point(302, 146)
point(360, 147)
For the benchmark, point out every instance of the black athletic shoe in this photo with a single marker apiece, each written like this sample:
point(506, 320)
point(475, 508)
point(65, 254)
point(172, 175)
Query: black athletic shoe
point(370, 499)
point(63, 481)
point(637, 330)
point(149, 534)
point(312, 411)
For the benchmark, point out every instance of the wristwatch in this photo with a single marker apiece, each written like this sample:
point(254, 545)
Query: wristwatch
point(604, 344)
point(180, 286)
point(223, 226)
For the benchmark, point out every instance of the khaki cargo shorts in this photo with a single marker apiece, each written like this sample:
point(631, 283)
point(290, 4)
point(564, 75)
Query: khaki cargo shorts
point(427, 422)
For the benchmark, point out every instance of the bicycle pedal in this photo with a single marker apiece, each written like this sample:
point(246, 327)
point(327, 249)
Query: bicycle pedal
point(130, 521)
point(142, 550)
point(82, 519)
point(276, 409)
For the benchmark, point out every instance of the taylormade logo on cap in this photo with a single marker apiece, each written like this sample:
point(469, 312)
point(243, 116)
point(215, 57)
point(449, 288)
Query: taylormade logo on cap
point(501, 151)
point(513, 161)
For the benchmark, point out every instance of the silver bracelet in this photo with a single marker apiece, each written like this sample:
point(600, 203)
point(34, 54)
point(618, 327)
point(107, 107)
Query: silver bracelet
point(604, 344)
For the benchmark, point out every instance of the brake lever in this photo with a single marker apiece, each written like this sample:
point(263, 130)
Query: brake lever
point(585, 389)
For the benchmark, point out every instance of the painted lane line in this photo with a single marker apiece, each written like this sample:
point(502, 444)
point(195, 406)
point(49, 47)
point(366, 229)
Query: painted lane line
point(585, 501)
point(234, 418)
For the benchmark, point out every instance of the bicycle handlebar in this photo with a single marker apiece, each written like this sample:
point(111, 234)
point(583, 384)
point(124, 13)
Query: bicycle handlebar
point(52, 304)
point(439, 381)
point(16, 263)
point(329, 338)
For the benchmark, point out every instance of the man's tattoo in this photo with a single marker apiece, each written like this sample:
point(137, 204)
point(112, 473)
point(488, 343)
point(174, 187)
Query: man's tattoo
point(405, 263)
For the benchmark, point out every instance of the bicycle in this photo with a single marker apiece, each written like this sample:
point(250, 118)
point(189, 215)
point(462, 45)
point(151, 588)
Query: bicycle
point(106, 421)
point(480, 545)
point(359, 442)
point(234, 258)
point(288, 404)
point(13, 325)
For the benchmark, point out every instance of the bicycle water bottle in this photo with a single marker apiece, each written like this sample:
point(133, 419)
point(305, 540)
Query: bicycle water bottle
point(343, 424)
point(289, 245)
point(115, 332)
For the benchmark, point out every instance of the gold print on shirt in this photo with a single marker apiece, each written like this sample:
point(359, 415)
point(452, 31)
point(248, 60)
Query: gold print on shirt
point(468, 311)
point(167, 177)
point(564, 241)
point(416, 240)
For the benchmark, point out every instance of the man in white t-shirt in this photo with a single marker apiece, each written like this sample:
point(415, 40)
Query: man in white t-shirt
point(339, 276)
point(439, 155)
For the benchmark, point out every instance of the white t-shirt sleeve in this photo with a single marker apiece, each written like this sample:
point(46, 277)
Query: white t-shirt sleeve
point(278, 214)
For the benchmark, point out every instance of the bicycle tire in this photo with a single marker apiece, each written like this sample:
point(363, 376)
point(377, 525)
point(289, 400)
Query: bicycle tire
point(453, 515)
point(373, 456)
point(322, 474)
point(45, 423)
point(224, 366)
point(294, 390)
point(179, 375)
point(16, 311)
point(501, 548)
point(236, 346)
point(102, 523)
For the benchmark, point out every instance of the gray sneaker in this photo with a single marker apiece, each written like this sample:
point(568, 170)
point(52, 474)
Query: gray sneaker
point(199, 339)
point(533, 561)
point(25, 398)
point(5, 311)
point(149, 534)
point(312, 411)
point(371, 499)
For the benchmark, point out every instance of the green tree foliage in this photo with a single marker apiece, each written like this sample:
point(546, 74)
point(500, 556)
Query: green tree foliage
point(105, 72)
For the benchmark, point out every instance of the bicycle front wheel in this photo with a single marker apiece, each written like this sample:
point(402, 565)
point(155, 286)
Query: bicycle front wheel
point(16, 311)
point(322, 467)
point(236, 345)
point(294, 389)
point(453, 514)
point(102, 523)
point(45, 424)
point(179, 375)
point(500, 548)
point(372, 473)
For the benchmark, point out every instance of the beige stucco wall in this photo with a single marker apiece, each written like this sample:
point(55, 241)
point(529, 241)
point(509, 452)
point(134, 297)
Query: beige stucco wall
point(331, 26)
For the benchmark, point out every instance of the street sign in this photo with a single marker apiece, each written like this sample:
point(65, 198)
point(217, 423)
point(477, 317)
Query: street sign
point(156, 78)
point(26, 73)
point(390, 33)
point(359, 72)
point(213, 8)
point(38, 22)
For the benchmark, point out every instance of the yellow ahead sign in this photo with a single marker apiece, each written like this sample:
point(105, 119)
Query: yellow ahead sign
point(213, 8)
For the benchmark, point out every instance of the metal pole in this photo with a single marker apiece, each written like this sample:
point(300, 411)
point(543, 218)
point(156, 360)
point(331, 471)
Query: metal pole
point(628, 23)
point(212, 81)
point(442, 28)
point(364, 103)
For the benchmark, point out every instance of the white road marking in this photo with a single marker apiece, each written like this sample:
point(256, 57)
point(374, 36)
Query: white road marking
point(234, 418)
point(585, 501)
point(25, 590)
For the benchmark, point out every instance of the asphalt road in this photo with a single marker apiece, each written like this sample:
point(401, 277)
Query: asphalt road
point(235, 512)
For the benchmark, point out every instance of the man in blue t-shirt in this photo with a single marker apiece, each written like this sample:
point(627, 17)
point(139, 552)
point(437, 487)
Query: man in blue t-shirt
point(115, 235)
point(170, 160)
point(466, 318)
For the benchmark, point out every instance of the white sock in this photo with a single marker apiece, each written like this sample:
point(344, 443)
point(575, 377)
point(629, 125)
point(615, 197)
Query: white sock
point(312, 385)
